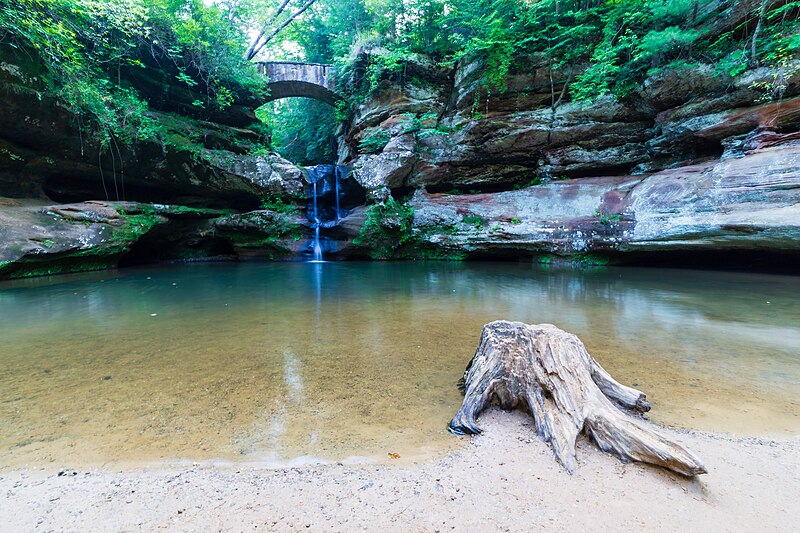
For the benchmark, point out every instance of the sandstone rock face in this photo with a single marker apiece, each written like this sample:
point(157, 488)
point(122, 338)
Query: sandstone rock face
point(467, 135)
point(255, 175)
point(44, 155)
point(40, 239)
point(263, 234)
point(692, 160)
point(750, 202)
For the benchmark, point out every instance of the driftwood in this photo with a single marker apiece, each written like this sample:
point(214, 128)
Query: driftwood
point(550, 372)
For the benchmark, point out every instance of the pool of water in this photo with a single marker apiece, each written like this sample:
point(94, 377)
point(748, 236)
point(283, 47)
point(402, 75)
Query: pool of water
point(275, 363)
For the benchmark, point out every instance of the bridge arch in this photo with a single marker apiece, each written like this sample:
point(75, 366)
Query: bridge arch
point(290, 79)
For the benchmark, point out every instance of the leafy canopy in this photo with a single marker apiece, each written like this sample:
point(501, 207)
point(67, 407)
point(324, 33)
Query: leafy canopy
point(90, 50)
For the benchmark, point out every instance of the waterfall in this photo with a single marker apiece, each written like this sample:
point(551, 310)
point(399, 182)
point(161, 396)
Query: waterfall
point(336, 172)
point(330, 196)
point(317, 222)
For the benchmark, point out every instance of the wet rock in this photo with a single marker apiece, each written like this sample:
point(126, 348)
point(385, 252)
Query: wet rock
point(258, 175)
point(377, 174)
point(747, 202)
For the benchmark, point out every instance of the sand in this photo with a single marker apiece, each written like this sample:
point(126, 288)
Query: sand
point(503, 480)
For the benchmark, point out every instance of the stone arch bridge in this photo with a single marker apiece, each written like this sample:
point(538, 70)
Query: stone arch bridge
point(288, 79)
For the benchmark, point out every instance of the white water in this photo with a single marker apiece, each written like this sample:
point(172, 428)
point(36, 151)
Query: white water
point(317, 248)
point(336, 181)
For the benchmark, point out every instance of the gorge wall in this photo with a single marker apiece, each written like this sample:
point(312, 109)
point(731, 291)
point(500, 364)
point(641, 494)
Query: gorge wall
point(693, 162)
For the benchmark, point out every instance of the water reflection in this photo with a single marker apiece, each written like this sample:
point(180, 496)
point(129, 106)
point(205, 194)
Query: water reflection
point(286, 360)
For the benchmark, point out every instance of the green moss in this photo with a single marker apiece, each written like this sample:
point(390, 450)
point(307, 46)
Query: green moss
point(530, 183)
point(608, 218)
point(135, 226)
point(44, 270)
point(442, 229)
point(57, 264)
point(281, 203)
point(184, 210)
point(591, 259)
point(387, 228)
point(474, 220)
point(587, 259)
point(515, 221)
point(265, 231)
point(389, 233)
point(374, 143)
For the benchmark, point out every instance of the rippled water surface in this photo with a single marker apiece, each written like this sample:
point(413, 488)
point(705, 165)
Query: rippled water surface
point(288, 362)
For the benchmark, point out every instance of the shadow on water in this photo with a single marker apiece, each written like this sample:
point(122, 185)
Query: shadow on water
point(275, 362)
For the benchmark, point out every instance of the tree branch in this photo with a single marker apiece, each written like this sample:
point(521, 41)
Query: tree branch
point(279, 28)
point(251, 52)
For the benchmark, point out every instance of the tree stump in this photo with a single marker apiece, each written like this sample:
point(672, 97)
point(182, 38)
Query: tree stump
point(550, 372)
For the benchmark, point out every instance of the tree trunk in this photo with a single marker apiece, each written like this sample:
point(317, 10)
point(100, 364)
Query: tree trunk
point(550, 372)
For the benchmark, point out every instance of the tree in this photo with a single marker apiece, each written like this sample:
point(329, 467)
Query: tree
point(274, 25)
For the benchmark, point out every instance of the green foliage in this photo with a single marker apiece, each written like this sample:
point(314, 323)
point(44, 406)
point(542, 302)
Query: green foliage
point(780, 52)
point(476, 221)
point(384, 65)
point(515, 220)
point(388, 227)
point(732, 64)
point(608, 218)
point(374, 143)
point(389, 233)
point(303, 130)
point(280, 204)
point(88, 49)
point(599, 47)
point(342, 111)
point(533, 181)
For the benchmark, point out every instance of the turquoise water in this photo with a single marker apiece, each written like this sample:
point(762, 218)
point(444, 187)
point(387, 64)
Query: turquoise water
point(294, 362)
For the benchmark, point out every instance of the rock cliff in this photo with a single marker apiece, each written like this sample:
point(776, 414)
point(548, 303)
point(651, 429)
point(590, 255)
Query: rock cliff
point(694, 160)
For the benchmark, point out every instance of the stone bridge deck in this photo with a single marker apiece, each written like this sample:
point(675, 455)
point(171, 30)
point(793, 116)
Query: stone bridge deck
point(289, 79)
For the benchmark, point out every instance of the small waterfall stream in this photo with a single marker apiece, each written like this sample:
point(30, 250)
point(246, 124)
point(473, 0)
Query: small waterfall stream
point(327, 205)
point(317, 222)
point(336, 175)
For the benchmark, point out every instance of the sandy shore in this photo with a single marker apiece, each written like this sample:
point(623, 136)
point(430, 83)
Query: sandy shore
point(503, 480)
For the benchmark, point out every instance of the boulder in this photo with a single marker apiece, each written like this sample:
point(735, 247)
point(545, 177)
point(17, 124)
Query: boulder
point(40, 239)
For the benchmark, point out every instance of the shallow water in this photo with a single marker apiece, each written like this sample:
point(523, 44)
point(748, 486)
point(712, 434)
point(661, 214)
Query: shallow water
point(292, 362)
